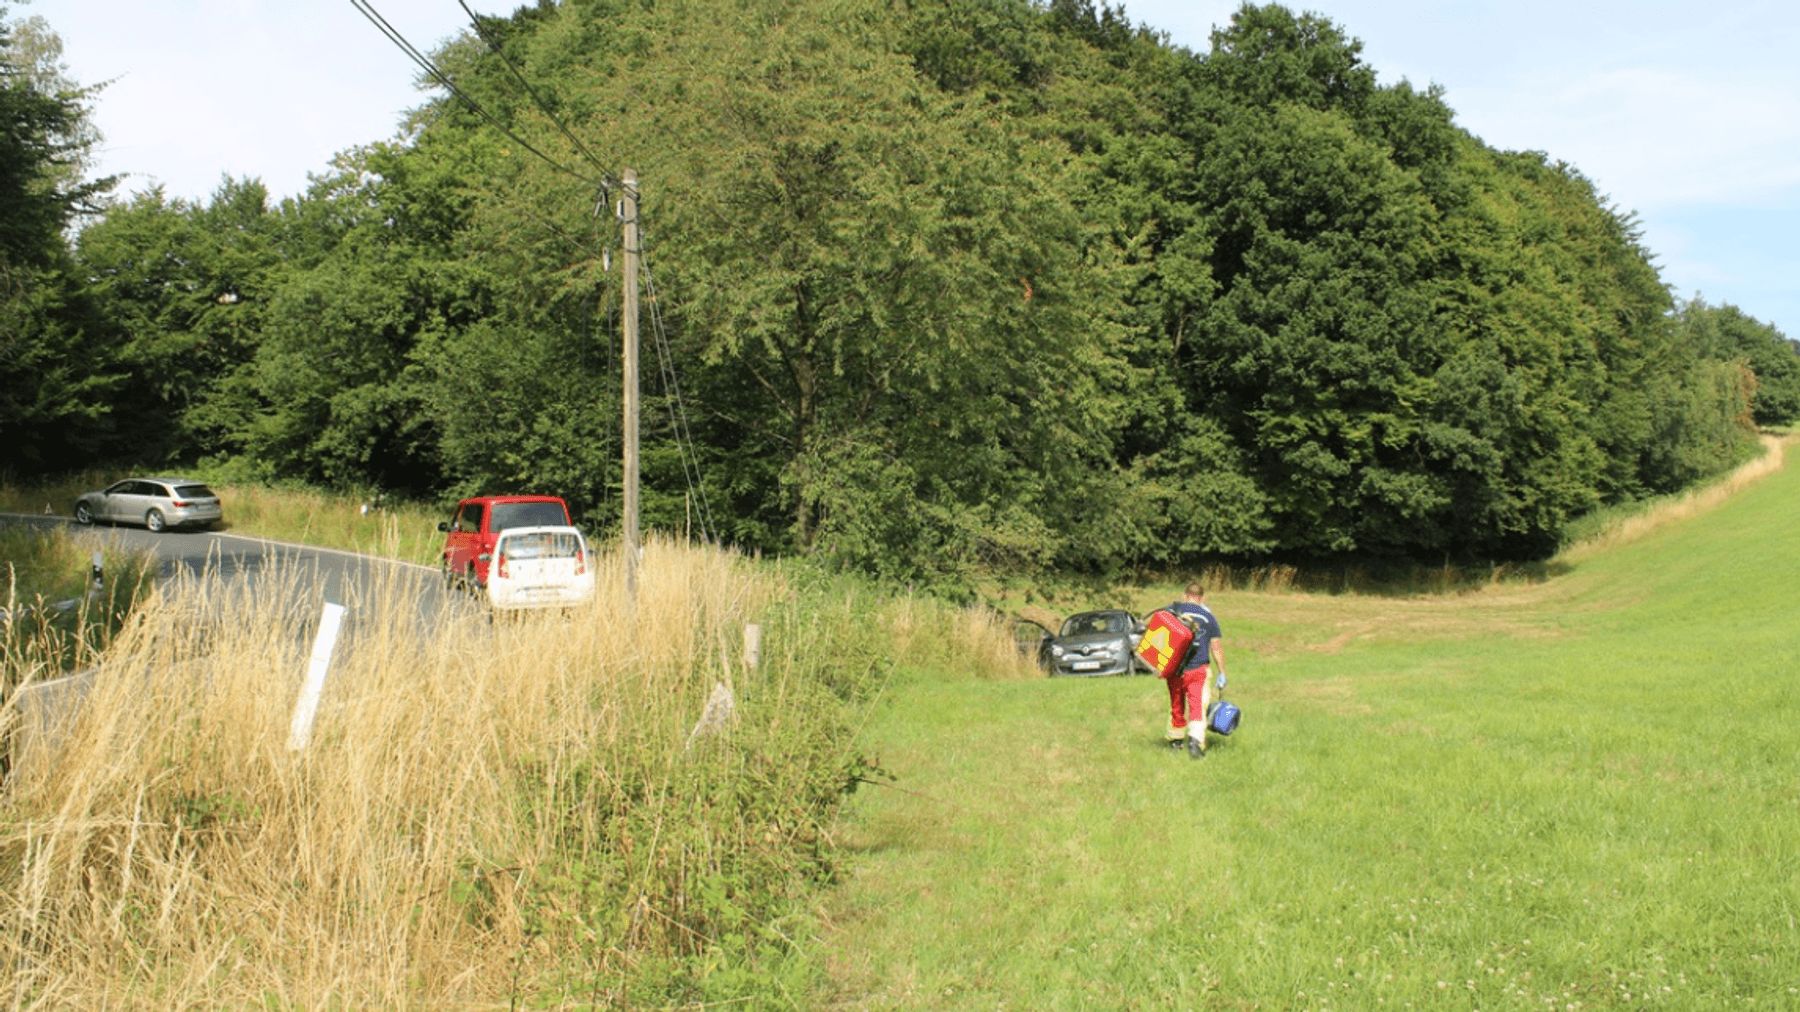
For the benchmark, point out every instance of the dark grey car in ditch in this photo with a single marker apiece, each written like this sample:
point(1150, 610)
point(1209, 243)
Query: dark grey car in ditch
point(156, 503)
point(1095, 643)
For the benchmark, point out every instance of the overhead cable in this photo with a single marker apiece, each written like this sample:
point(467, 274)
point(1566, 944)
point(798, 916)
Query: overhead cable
point(678, 419)
point(494, 47)
point(437, 74)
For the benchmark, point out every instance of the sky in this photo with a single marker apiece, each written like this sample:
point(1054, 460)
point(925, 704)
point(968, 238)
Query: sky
point(1684, 113)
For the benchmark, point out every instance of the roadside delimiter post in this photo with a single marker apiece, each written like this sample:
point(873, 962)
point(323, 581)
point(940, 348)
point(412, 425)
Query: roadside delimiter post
point(330, 620)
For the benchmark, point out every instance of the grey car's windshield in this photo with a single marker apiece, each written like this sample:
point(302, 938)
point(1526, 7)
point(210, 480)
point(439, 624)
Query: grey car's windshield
point(1094, 623)
point(527, 514)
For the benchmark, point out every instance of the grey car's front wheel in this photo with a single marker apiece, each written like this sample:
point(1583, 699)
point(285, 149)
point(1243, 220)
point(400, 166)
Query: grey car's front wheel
point(154, 520)
point(83, 515)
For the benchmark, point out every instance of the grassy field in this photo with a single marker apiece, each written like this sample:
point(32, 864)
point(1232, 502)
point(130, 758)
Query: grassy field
point(1575, 788)
point(1581, 793)
point(406, 531)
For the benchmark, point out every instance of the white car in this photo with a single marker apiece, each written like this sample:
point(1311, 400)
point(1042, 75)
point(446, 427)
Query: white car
point(540, 567)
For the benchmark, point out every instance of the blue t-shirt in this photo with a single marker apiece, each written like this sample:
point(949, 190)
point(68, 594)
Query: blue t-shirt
point(1206, 629)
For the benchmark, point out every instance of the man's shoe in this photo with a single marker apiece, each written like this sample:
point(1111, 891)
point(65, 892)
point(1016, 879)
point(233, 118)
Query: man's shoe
point(1195, 749)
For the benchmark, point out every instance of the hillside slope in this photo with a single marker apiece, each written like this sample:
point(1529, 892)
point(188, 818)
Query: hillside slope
point(1581, 793)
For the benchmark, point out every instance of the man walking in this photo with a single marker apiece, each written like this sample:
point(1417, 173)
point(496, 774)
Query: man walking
point(1190, 687)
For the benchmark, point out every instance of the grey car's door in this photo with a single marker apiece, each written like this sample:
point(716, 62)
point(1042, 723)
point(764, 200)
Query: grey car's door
point(135, 502)
point(114, 500)
point(152, 496)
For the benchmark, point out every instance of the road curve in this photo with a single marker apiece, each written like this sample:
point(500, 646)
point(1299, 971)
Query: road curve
point(362, 583)
point(342, 576)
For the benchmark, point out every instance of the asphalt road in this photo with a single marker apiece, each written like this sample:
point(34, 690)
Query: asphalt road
point(362, 583)
point(342, 577)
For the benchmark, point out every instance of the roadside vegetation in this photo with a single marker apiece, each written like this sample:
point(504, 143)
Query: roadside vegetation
point(53, 618)
point(515, 815)
point(406, 531)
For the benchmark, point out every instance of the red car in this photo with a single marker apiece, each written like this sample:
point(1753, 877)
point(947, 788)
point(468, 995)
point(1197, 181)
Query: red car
point(476, 525)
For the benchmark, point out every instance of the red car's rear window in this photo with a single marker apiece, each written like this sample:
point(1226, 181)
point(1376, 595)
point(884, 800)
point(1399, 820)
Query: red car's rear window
point(527, 514)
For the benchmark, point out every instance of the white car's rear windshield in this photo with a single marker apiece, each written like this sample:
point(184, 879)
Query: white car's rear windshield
point(541, 545)
point(527, 514)
point(193, 492)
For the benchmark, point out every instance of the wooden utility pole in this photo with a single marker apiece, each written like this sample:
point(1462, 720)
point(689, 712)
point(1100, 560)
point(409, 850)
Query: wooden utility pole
point(628, 213)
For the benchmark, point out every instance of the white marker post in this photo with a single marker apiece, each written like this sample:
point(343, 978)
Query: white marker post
point(752, 645)
point(330, 620)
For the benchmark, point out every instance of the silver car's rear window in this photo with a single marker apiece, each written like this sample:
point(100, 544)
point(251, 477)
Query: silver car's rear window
point(541, 545)
point(194, 492)
point(527, 514)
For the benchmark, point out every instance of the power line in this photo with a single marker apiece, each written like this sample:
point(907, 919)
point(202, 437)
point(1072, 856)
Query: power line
point(684, 440)
point(437, 74)
point(684, 436)
point(544, 107)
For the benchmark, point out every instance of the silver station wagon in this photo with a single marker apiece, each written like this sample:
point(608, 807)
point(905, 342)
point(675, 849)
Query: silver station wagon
point(156, 503)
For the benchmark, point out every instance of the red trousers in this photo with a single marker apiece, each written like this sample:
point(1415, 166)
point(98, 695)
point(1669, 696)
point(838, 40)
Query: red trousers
point(1187, 697)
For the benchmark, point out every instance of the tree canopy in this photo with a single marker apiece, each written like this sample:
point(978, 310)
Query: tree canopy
point(53, 399)
point(937, 287)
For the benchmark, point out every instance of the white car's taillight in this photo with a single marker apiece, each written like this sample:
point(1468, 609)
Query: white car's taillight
point(580, 562)
point(502, 564)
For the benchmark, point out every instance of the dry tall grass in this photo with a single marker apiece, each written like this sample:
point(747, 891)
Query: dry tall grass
point(488, 815)
point(971, 640)
point(405, 531)
point(1640, 522)
point(42, 569)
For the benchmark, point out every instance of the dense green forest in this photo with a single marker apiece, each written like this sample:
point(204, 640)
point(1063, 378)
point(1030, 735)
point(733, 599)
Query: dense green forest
point(936, 287)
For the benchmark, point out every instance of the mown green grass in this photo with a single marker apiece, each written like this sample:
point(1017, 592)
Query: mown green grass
point(1578, 794)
